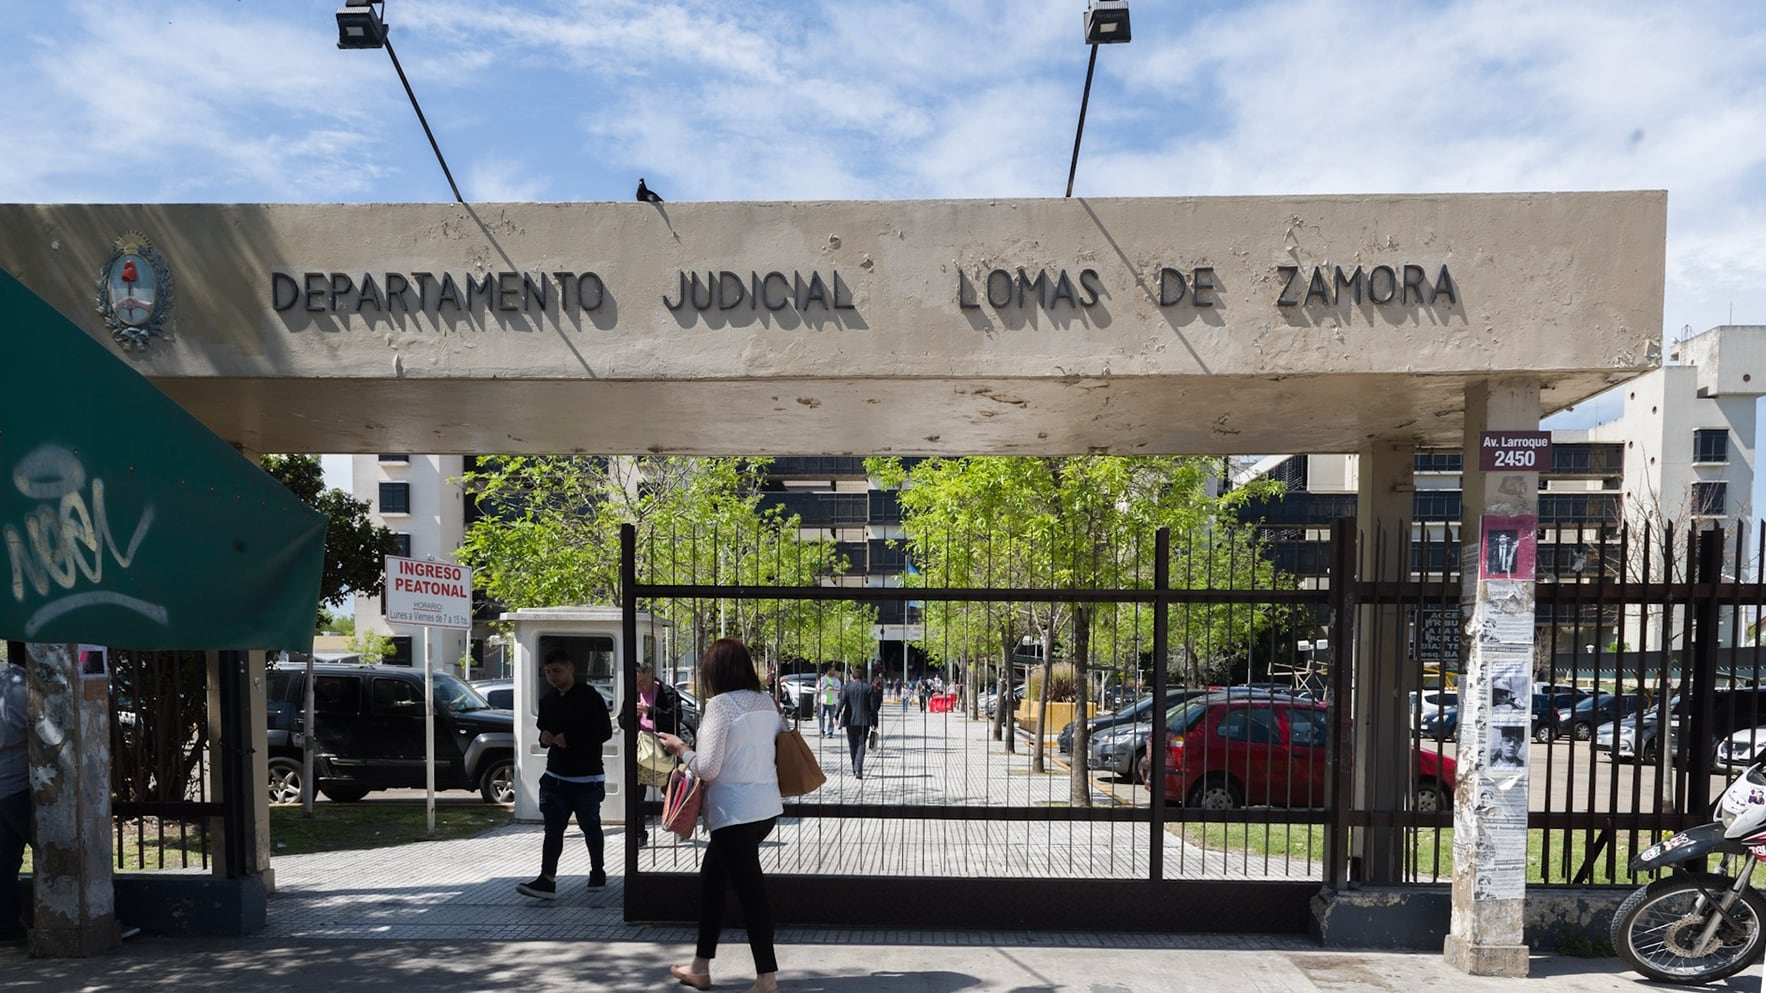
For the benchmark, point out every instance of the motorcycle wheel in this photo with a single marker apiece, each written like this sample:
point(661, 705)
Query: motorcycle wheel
point(1655, 926)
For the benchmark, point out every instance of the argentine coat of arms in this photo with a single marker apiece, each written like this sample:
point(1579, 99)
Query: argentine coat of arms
point(135, 293)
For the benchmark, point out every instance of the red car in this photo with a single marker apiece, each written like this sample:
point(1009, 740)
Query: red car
point(1229, 752)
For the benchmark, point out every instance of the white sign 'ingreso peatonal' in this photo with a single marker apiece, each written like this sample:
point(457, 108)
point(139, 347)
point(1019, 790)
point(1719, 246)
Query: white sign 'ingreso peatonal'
point(435, 594)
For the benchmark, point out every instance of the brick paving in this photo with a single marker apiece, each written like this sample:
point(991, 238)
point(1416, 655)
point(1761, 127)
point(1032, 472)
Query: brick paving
point(465, 888)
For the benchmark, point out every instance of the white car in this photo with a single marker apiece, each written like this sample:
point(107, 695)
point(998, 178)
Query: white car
point(1742, 749)
point(1429, 704)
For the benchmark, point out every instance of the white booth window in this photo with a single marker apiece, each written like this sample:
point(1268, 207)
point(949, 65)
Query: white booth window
point(591, 655)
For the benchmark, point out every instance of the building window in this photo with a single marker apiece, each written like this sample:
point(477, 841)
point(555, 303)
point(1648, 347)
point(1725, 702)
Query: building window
point(1291, 473)
point(401, 651)
point(1438, 462)
point(1436, 505)
point(395, 458)
point(403, 547)
point(1708, 499)
point(395, 498)
point(1710, 445)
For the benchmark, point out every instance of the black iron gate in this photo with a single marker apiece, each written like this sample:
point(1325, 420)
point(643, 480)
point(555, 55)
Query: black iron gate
point(959, 821)
point(963, 825)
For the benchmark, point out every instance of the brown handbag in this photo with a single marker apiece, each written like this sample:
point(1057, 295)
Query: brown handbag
point(799, 772)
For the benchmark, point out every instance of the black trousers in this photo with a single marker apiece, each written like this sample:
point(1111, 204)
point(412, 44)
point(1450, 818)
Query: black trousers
point(733, 858)
point(857, 736)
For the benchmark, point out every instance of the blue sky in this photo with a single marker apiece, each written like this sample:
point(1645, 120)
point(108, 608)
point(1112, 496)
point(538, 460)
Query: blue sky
point(250, 100)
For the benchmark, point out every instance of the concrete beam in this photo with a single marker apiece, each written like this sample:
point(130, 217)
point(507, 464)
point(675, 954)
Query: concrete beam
point(1134, 326)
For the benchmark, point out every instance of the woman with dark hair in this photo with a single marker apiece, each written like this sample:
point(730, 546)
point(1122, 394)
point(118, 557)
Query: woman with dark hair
point(734, 757)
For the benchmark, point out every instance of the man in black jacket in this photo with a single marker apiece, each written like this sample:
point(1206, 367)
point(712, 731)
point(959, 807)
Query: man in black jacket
point(855, 715)
point(573, 725)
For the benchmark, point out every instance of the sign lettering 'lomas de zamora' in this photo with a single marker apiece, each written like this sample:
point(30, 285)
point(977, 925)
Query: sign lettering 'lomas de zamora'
point(724, 290)
point(432, 594)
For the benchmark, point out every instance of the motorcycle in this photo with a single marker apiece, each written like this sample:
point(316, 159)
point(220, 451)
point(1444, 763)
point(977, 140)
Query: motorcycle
point(1695, 926)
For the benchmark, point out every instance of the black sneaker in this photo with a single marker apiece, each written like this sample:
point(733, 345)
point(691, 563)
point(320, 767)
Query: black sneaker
point(540, 888)
point(597, 878)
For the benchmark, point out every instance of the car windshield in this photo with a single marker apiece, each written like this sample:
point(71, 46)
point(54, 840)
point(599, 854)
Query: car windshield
point(456, 697)
point(1192, 713)
point(1602, 701)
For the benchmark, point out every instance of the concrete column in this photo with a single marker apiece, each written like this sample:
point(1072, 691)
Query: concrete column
point(248, 669)
point(1381, 677)
point(74, 912)
point(1485, 936)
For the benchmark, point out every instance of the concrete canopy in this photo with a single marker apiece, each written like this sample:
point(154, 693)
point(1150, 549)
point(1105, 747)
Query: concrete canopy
point(1130, 326)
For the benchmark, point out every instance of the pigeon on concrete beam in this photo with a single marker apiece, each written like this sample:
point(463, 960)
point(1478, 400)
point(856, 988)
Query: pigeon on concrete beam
point(646, 194)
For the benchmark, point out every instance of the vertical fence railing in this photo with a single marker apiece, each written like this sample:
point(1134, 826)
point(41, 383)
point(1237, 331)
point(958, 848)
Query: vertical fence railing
point(1222, 595)
point(959, 793)
point(160, 761)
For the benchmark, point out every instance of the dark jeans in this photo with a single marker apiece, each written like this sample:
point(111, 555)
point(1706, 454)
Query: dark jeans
point(856, 735)
point(733, 857)
point(15, 834)
point(558, 801)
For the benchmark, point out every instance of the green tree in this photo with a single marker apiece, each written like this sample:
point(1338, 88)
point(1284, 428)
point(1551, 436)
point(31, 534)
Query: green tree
point(1072, 522)
point(355, 547)
point(372, 646)
point(549, 536)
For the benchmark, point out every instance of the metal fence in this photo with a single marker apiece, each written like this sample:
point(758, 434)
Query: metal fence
point(1638, 682)
point(1343, 662)
point(968, 808)
point(160, 760)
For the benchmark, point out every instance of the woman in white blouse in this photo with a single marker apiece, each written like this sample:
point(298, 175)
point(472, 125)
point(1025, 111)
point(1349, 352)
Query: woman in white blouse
point(735, 759)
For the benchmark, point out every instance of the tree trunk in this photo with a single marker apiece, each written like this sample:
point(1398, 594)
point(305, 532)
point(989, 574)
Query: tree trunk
point(1002, 695)
point(1039, 762)
point(1080, 773)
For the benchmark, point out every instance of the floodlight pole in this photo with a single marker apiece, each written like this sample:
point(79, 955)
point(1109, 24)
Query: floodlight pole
point(1079, 133)
point(387, 43)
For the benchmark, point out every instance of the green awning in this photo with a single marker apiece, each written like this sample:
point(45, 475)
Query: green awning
point(123, 520)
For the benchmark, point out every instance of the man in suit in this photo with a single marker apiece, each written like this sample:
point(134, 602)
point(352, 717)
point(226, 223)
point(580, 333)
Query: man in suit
point(855, 715)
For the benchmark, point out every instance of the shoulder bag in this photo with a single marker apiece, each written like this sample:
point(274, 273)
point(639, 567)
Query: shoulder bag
point(682, 802)
point(654, 764)
point(799, 772)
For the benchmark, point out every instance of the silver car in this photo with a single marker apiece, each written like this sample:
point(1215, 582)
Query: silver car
point(1116, 749)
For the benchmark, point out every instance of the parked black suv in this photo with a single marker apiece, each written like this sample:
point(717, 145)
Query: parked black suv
point(368, 733)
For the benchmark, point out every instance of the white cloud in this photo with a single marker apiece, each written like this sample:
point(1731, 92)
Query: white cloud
point(501, 180)
point(809, 99)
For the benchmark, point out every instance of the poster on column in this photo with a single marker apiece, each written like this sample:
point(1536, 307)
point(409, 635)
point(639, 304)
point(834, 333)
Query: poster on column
point(1506, 546)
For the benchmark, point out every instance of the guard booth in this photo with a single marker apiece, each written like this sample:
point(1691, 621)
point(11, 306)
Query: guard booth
point(593, 638)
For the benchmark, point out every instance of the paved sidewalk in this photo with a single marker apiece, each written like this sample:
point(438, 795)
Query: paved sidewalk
point(445, 917)
point(855, 963)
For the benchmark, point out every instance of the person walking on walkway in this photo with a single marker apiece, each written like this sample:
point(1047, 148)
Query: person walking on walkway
point(659, 709)
point(15, 795)
point(734, 757)
point(573, 725)
point(828, 693)
point(855, 715)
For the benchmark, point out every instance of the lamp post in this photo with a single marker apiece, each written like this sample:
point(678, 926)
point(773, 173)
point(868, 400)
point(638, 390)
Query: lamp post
point(1106, 23)
point(362, 24)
